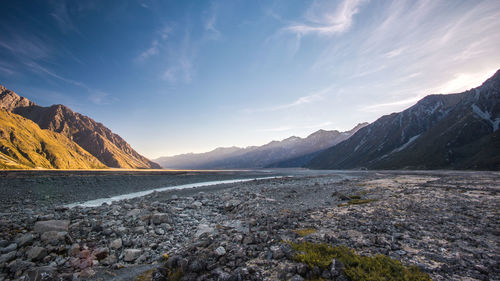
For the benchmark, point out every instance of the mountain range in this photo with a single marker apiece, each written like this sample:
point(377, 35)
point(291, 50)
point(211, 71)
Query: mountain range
point(454, 131)
point(93, 137)
point(259, 156)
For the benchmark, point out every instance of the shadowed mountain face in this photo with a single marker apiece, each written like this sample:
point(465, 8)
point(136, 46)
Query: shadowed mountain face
point(94, 137)
point(456, 131)
point(258, 156)
point(24, 145)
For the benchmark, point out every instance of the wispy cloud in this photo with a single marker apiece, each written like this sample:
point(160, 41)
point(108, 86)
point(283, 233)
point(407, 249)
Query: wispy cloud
point(384, 106)
point(25, 47)
point(156, 44)
point(61, 15)
point(7, 69)
point(94, 95)
point(180, 61)
point(211, 21)
point(151, 51)
point(307, 99)
point(321, 19)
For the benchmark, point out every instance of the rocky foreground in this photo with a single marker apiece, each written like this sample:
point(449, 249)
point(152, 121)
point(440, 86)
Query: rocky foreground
point(445, 223)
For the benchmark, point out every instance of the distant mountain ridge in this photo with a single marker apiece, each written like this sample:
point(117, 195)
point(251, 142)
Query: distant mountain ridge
point(24, 145)
point(258, 156)
point(454, 131)
point(92, 136)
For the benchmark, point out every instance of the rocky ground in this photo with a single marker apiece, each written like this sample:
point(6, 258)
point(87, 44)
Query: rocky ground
point(446, 223)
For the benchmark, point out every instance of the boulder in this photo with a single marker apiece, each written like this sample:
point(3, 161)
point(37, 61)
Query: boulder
point(53, 237)
point(25, 240)
point(36, 253)
point(131, 255)
point(51, 225)
point(220, 251)
point(7, 257)
point(159, 218)
point(101, 253)
point(116, 244)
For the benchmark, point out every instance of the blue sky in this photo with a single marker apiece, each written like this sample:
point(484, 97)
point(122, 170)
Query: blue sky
point(188, 76)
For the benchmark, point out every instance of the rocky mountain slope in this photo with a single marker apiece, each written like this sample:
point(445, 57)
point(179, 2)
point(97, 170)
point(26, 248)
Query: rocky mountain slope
point(258, 156)
point(455, 131)
point(24, 145)
point(92, 136)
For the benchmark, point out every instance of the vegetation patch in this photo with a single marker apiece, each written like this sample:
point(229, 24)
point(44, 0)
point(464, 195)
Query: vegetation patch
point(356, 267)
point(175, 275)
point(146, 276)
point(305, 231)
point(357, 201)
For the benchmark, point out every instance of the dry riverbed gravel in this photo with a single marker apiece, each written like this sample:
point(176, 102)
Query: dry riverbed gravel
point(446, 223)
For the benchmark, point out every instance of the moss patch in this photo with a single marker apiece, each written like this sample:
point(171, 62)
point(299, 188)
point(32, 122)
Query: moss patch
point(304, 231)
point(356, 267)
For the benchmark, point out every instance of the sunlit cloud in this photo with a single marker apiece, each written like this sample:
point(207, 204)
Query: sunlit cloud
point(385, 106)
point(464, 81)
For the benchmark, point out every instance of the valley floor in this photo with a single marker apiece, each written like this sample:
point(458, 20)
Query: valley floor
point(444, 222)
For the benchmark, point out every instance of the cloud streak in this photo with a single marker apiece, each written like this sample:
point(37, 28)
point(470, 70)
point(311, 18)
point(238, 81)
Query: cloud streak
point(307, 99)
point(327, 22)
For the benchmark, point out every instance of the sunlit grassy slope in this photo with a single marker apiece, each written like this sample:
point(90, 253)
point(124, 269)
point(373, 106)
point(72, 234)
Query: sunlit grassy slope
point(23, 145)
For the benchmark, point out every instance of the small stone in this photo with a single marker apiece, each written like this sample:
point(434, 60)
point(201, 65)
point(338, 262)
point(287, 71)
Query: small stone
point(277, 252)
point(336, 268)
point(87, 273)
point(53, 237)
point(41, 273)
point(25, 240)
point(203, 228)
point(116, 244)
point(297, 278)
point(159, 218)
point(101, 253)
point(220, 251)
point(74, 250)
point(51, 225)
point(159, 231)
point(131, 255)
point(197, 204)
point(133, 213)
point(109, 260)
point(10, 248)
point(7, 257)
point(19, 265)
point(36, 253)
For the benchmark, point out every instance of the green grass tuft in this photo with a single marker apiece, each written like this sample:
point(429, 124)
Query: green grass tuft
point(356, 267)
point(304, 231)
point(357, 202)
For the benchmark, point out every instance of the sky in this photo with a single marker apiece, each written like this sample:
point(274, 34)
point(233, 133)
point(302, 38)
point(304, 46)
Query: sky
point(173, 77)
